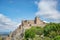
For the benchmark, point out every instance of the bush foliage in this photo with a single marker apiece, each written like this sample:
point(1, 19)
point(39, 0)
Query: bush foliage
point(49, 32)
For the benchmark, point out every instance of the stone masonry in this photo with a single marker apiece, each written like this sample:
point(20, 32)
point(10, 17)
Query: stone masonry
point(37, 22)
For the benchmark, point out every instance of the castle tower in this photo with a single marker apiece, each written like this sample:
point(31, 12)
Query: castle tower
point(22, 23)
point(37, 20)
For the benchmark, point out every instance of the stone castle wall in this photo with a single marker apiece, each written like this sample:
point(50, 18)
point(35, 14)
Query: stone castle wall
point(29, 23)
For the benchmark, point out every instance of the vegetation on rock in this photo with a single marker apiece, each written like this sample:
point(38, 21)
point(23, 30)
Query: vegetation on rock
point(50, 32)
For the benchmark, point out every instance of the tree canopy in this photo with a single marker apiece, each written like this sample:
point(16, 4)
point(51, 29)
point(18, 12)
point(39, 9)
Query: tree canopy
point(49, 32)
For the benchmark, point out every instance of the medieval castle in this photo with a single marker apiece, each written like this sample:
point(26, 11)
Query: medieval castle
point(26, 24)
point(36, 22)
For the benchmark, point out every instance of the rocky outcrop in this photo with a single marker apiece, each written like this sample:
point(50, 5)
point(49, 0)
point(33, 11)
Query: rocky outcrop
point(26, 24)
point(16, 35)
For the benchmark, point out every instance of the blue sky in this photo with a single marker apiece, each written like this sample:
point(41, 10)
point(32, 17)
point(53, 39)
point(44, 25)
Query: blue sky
point(12, 12)
point(18, 8)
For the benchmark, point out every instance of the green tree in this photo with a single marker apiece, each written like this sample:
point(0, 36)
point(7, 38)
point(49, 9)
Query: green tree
point(29, 34)
point(52, 29)
point(57, 38)
point(39, 31)
point(47, 38)
point(52, 34)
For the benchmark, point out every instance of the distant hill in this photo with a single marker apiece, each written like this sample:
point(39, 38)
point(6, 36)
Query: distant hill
point(4, 33)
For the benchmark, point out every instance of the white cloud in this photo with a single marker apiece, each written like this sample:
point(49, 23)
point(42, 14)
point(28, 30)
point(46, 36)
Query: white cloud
point(45, 21)
point(47, 9)
point(6, 23)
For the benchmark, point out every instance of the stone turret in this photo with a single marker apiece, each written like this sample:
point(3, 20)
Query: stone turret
point(37, 20)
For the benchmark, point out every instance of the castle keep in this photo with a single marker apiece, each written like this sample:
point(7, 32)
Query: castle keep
point(26, 24)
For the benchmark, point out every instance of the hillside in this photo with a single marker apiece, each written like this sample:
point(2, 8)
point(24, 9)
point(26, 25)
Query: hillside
point(50, 32)
point(18, 34)
point(35, 30)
